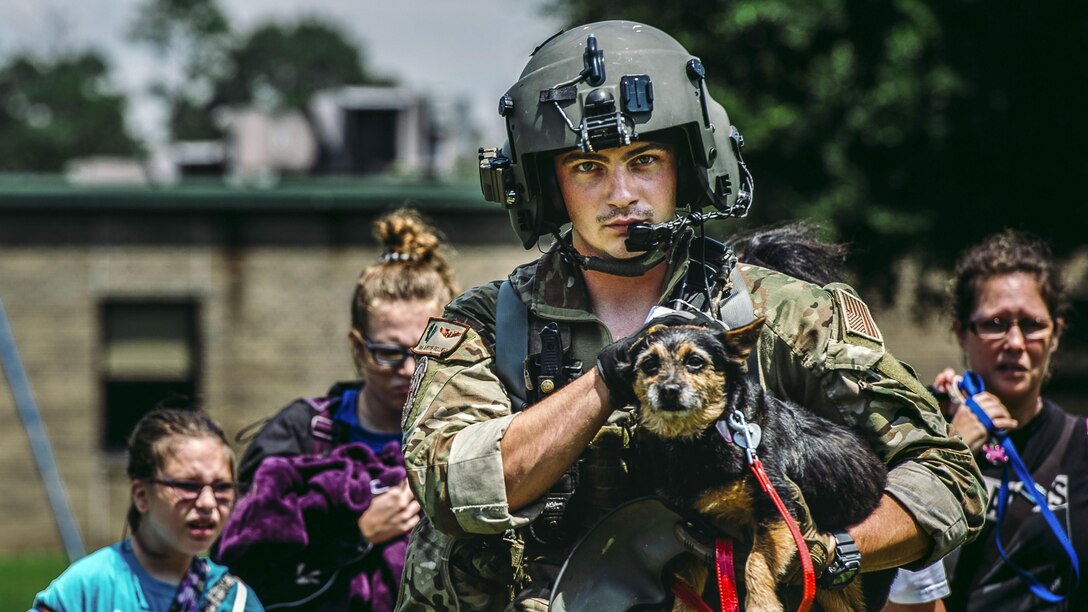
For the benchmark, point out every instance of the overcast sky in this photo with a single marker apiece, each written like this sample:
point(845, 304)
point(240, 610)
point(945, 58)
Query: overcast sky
point(472, 49)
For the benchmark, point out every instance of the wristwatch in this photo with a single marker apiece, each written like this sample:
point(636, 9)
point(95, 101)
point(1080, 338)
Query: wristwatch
point(845, 566)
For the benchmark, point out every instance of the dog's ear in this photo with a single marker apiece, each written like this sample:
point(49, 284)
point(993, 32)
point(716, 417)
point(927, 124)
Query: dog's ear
point(741, 341)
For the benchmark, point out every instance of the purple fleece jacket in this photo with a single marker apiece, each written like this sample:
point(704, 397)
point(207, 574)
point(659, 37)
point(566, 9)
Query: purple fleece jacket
point(300, 517)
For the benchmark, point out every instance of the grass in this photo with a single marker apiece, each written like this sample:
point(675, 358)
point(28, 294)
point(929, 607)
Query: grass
point(21, 577)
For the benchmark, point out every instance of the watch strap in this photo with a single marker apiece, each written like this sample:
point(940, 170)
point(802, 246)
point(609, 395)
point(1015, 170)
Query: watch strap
point(846, 565)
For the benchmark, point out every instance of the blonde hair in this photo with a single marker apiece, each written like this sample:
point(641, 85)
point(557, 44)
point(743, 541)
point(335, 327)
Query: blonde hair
point(411, 266)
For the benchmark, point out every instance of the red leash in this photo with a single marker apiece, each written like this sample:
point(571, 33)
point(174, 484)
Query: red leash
point(685, 593)
point(723, 553)
point(727, 584)
point(802, 546)
point(747, 436)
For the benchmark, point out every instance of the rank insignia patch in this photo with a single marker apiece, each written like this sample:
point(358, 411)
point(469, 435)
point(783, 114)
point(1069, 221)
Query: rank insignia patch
point(440, 338)
point(857, 318)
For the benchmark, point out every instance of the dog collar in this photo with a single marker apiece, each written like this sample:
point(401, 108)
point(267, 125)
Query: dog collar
point(740, 432)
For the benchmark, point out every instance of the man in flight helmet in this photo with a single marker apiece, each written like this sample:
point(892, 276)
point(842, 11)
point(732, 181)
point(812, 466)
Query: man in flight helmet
point(591, 101)
point(517, 440)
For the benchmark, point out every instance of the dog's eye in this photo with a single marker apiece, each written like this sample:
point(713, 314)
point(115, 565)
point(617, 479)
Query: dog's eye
point(650, 366)
point(695, 362)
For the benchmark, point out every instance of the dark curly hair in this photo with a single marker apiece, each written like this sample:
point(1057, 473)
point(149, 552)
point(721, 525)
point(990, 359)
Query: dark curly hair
point(1007, 252)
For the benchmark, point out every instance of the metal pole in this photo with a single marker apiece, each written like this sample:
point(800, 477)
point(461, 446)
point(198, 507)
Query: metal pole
point(39, 441)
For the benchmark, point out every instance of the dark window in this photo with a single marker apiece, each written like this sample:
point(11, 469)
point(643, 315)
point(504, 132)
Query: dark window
point(370, 137)
point(202, 170)
point(149, 355)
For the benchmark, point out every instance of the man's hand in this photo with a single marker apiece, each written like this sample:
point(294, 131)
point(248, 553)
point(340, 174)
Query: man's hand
point(390, 514)
point(614, 361)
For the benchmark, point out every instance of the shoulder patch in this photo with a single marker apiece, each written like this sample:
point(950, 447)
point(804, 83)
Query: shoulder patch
point(417, 380)
point(441, 338)
point(856, 316)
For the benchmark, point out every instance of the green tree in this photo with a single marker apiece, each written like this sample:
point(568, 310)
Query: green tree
point(282, 66)
point(907, 125)
point(191, 39)
point(208, 65)
point(54, 110)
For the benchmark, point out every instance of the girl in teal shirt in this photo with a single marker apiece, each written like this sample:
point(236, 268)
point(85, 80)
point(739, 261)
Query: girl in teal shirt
point(183, 489)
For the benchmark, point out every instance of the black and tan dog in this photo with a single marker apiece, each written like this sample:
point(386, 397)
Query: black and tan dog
point(689, 377)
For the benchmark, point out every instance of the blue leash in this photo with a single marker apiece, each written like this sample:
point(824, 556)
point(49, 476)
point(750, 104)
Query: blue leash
point(970, 385)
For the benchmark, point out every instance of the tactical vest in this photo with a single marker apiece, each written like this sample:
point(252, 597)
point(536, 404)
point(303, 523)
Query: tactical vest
point(532, 361)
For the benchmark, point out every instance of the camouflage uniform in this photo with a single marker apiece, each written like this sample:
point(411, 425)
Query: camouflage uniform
point(819, 349)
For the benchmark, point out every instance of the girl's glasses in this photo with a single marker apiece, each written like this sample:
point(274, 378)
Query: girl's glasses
point(190, 490)
point(387, 355)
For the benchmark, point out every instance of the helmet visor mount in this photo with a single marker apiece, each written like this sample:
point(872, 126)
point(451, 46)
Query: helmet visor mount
point(602, 125)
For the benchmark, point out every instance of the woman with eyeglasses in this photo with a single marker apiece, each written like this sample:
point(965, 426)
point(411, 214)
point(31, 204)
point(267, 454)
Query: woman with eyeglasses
point(181, 470)
point(326, 519)
point(1008, 309)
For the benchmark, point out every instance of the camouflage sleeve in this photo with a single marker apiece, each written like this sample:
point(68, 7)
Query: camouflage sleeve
point(457, 413)
point(822, 349)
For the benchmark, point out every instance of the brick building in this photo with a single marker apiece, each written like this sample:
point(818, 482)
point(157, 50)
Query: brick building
point(119, 295)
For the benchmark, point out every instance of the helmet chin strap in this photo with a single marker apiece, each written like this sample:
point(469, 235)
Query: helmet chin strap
point(635, 266)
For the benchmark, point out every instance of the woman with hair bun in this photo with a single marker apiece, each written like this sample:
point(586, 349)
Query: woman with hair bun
point(325, 522)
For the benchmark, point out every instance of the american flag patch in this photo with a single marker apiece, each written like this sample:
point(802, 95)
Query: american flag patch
point(857, 318)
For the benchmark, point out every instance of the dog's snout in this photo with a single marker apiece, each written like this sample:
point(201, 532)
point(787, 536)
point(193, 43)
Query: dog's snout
point(671, 390)
point(668, 396)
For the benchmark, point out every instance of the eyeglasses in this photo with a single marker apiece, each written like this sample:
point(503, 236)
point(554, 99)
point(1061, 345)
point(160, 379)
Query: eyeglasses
point(387, 355)
point(997, 328)
point(190, 490)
